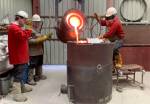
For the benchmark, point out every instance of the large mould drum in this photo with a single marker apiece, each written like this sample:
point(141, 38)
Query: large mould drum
point(89, 73)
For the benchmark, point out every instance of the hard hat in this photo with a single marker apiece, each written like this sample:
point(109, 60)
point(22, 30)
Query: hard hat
point(111, 11)
point(22, 14)
point(36, 17)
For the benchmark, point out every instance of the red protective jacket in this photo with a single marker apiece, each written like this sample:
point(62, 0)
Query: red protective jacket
point(18, 44)
point(114, 30)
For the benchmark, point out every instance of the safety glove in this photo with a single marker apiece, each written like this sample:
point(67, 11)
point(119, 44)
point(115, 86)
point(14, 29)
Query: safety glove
point(28, 24)
point(40, 39)
point(49, 36)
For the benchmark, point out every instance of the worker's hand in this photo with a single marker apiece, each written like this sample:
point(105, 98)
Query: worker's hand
point(101, 36)
point(98, 18)
point(49, 36)
point(95, 15)
point(106, 40)
point(28, 24)
point(33, 36)
point(27, 27)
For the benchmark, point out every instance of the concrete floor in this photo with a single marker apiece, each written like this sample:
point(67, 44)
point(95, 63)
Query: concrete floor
point(47, 91)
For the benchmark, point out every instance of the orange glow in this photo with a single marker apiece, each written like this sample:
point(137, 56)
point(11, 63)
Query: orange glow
point(77, 34)
point(82, 41)
point(71, 25)
point(74, 20)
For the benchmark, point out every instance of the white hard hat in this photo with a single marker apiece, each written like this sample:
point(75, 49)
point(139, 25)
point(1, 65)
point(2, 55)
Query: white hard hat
point(22, 14)
point(111, 11)
point(36, 17)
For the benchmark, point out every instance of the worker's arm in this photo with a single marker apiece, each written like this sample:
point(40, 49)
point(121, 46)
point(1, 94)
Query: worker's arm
point(100, 19)
point(22, 34)
point(40, 39)
point(111, 31)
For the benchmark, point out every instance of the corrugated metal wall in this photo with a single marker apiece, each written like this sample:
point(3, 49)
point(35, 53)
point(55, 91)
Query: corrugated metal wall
point(137, 33)
point(55, 51)
point(10, 7)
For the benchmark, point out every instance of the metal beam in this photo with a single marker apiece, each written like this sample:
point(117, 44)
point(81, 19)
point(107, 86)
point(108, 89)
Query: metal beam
point(109, 3)
point(82, 5)
point(36, 7)
point(56, 8)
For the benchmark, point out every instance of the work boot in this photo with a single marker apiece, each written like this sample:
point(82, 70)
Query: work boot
point(36, 78)
point(31, 78)
point(16, 92)
point(26, 88)
point(43, 77)
point(118, 62)
point(32, 82)
point(39, 74)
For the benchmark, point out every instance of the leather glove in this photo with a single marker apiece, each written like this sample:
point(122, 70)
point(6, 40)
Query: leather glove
point(49, 36)
point(27, 27)
point(40, 39)
point(28, 24)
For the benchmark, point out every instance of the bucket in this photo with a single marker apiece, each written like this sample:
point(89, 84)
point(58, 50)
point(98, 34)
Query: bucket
point(5, 83)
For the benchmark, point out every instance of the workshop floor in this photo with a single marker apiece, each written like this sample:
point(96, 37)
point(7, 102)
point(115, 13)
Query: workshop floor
point(47, 91)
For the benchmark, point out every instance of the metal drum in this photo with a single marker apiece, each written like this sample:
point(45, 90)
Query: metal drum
point(89, 73)
point(5, 83)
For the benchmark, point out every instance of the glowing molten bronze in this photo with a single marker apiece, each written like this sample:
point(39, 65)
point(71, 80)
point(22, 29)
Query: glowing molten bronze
point(70, 25)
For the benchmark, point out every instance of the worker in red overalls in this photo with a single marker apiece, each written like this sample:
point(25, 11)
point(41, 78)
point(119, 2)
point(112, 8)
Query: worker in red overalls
point(19, 54)
point(114, 32)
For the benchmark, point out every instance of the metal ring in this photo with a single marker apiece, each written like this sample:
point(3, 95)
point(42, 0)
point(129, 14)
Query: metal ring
point(99, 67)
point(136, 20)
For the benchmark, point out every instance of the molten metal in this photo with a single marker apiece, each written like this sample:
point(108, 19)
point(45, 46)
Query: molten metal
point(70, 26)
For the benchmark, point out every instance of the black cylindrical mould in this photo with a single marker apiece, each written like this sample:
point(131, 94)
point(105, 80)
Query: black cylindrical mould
point(89, 72)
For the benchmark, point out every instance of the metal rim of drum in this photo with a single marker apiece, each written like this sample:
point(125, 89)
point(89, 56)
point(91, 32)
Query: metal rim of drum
point(136, 20)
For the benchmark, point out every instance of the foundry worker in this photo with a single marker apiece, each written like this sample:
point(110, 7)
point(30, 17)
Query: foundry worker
point(114, 29)
point(36, 51)
point(19, 53)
